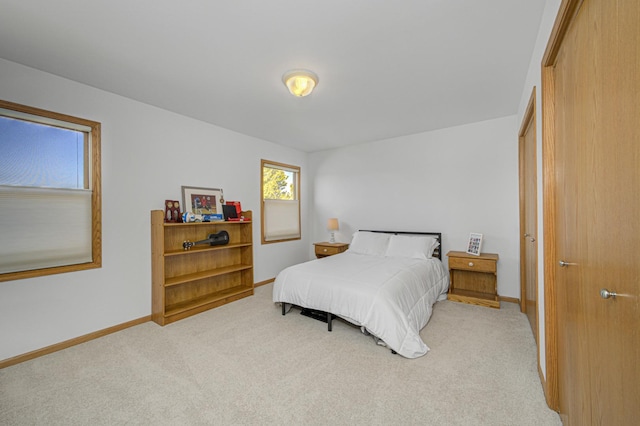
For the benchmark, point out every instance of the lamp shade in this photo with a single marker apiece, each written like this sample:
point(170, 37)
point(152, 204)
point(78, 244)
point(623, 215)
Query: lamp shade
point(300, 82)
point(332, 224)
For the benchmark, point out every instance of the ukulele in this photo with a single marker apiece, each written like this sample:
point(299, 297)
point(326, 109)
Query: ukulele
point(218, 239)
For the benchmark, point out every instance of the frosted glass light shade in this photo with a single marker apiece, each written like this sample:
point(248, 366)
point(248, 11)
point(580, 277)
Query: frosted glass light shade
point(300, 82)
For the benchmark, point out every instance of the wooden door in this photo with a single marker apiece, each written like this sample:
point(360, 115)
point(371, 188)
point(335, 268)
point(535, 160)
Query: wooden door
point(594, 78)
point(528, 216)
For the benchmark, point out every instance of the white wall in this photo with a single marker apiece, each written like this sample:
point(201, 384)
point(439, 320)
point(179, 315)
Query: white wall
point(457, 180)
point(147, 155)
point(534, 79)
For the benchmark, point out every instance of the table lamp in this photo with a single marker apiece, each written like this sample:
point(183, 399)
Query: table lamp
point(332, 226)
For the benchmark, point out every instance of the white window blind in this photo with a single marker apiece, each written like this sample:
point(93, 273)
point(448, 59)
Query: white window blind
point(43, 228)
point(281, 219)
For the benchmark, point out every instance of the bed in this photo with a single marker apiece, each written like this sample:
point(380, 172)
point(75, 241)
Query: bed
point(386, 283)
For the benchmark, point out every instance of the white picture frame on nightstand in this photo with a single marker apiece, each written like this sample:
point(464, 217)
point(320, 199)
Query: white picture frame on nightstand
point(475, 244)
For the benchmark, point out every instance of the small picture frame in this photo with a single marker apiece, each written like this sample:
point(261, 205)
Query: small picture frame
point(475, 244)
point(172, 211)
point(202, 200)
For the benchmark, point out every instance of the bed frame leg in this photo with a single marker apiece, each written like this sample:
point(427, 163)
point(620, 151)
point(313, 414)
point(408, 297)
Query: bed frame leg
point(329, 319)
point(283, 309)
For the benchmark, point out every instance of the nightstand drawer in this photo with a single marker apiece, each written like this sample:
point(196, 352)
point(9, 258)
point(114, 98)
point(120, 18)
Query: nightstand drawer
point(328, 250)
point(468, 264)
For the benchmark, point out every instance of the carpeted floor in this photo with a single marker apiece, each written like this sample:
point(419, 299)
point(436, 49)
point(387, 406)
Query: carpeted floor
point(245, 364)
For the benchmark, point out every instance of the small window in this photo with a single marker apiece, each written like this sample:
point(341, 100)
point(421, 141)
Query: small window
point(49, 192)
point(280, 202)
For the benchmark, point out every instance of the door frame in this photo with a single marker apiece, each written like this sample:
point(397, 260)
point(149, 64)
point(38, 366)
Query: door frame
point(566, 13)
point(528, 120)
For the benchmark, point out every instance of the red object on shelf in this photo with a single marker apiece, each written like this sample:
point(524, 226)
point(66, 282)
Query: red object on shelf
point(240, 218)
point(238, 206)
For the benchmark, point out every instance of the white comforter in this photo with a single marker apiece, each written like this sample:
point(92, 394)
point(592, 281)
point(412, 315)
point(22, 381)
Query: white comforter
point(391, 297)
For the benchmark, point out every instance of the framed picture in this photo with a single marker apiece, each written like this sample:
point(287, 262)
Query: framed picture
point(202, 200)
point(475, 242)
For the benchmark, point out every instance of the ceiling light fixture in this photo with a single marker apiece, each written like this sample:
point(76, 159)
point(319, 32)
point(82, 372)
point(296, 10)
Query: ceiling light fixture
point(300, 82)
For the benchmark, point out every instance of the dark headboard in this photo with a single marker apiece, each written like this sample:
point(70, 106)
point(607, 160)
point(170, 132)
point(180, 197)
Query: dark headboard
point(437, 235)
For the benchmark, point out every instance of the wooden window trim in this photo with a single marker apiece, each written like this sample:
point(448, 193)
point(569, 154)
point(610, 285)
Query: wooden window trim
point(298, 172)
point(96, 197)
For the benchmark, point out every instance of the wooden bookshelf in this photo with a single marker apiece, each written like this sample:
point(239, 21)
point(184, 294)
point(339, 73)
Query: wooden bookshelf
point(187, 282)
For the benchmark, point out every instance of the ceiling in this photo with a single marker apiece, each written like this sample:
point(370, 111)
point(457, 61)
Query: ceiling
point(386, 68)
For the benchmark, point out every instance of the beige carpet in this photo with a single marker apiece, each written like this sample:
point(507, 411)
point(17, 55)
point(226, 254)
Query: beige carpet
point(244, 363)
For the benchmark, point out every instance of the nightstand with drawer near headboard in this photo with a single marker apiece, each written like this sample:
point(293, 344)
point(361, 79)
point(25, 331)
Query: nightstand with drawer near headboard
point(474, 279)
point(329, 249)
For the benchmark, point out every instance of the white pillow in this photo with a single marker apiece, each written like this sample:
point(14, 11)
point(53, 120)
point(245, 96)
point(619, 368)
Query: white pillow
point(411, 247)
point(370, 243)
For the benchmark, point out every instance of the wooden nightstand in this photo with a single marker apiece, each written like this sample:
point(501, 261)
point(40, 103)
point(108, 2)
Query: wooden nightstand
point(474, 279)
point(329, 249)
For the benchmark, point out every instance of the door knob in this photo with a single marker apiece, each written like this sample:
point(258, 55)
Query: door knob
point(533, 240)
point(527, 235)
point(605, 294)
point(563, 263)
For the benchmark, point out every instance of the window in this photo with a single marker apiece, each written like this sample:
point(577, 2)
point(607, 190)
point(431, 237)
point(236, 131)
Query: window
point(50, 207)
point(280, 213)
